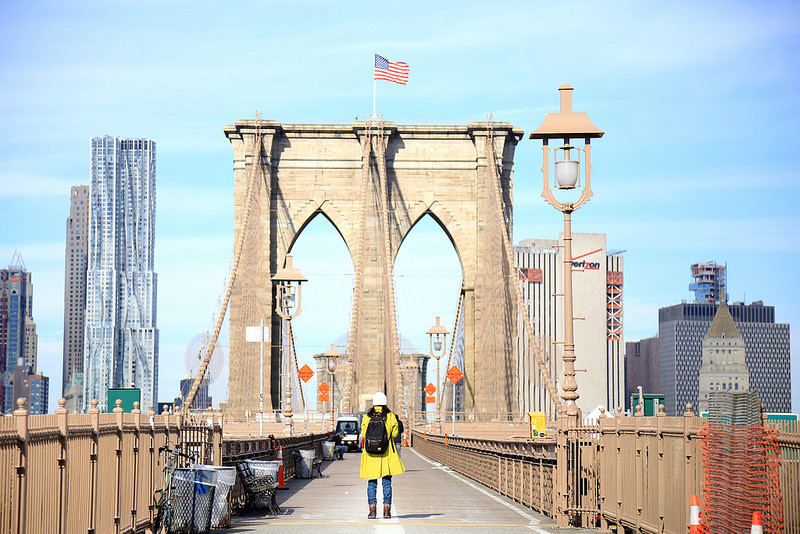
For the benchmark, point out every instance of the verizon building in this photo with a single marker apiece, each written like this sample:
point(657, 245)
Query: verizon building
point(597, 300)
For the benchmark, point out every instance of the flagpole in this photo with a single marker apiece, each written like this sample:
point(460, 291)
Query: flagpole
point(374, 93)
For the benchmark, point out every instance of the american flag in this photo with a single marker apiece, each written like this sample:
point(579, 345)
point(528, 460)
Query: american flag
point(393, 71)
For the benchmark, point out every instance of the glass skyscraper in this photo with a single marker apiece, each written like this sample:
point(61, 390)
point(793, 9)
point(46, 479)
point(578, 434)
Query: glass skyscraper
point(17, 329)
point(121, 338)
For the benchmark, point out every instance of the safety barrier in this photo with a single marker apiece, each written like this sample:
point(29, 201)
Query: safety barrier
point(742, 476)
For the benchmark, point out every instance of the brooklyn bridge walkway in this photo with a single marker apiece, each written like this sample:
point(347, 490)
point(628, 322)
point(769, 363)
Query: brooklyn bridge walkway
point(428, 497)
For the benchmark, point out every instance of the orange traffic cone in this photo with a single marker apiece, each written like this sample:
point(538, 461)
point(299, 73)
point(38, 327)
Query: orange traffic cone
point(694, 516)
point(281, 484)
point(405, 440)
point(756, 526)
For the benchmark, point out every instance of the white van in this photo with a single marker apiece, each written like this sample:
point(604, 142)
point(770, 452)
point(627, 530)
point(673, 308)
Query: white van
point(349, 426)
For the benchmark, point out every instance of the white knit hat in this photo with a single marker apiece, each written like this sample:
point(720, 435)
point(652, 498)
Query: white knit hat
point(379, 399)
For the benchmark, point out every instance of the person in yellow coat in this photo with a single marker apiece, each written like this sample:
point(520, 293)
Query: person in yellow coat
point(383, 466)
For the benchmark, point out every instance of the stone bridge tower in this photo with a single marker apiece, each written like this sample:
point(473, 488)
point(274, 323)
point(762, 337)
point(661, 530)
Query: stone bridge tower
point(374, 181)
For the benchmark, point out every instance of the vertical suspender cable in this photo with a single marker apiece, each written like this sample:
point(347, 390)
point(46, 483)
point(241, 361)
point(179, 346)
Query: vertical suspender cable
point(509, 257)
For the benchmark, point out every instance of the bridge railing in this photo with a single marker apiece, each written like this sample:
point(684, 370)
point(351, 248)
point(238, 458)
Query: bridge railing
point(522, 469)
point(480, 424)
point(649, 469)
point(96, 472)
point(637, 472)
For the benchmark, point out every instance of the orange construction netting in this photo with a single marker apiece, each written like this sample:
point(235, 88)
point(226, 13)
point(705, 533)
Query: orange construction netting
point(742, 476)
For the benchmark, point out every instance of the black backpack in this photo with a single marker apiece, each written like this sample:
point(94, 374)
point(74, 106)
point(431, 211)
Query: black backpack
point(376, 439)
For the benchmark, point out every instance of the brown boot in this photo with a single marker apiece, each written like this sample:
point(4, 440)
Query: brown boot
point(372, 511)
point(387, 510)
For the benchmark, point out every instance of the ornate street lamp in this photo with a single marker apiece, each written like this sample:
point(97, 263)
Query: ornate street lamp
point(332, 357)
point(288, 298)
point(438, 336)
point(567, 125)
point(410, 373)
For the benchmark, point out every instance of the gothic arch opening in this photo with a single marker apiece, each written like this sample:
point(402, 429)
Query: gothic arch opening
point(428, 277)
point(320, 252)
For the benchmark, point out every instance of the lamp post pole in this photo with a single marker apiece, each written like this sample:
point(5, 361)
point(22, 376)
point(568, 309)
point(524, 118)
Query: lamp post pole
point(570, 386)
point(261, 384)
point(567, 125)
point(289, 295)
point(332, 357)
point(258, 334)
point(410, 375)
point(288, 421)
point(438, 337)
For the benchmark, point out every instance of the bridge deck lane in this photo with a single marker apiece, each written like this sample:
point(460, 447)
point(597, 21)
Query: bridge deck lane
point(428, 497)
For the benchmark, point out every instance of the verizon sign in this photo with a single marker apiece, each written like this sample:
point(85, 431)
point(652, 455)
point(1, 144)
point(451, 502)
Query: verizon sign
point(586, 265)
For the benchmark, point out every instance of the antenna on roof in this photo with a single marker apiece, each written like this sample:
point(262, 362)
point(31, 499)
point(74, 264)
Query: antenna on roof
point(16, 261)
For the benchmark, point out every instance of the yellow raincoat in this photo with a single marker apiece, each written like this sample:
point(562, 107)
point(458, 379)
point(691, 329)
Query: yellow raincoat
point(388, 463)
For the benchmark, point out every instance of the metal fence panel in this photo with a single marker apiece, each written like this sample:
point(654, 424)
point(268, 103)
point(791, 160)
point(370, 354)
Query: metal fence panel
point(95, 472)
point(520, 469)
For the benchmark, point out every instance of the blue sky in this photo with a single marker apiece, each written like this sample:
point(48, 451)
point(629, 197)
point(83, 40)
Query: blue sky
point(698, 102)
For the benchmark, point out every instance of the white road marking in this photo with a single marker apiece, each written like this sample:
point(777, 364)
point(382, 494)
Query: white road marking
point(389, 525)
point(482, 490)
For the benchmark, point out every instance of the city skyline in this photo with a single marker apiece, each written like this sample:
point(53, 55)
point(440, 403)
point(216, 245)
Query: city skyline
point(692, 99)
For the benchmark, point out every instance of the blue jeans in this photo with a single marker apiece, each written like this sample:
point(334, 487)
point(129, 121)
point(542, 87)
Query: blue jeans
point(372, 487)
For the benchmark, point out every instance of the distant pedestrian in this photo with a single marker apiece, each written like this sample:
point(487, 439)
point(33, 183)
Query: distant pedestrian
point(338, 448)
point(379, 458)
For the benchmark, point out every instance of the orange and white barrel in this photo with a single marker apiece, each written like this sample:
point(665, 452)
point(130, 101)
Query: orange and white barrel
point(281, 481)
point(756, 527)
point(694, 516)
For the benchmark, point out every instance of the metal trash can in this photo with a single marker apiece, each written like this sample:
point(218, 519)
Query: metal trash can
point(194, 498)
point(226, 477)
point(265, 467)
point(327, 450)
point(304, 461)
